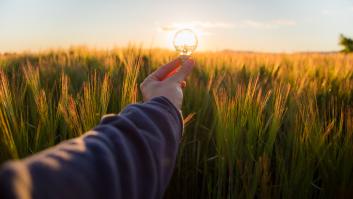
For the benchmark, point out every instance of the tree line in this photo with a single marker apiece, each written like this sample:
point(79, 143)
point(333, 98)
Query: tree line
point(346, 43)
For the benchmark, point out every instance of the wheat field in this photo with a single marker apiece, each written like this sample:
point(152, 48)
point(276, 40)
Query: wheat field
point(257, 125)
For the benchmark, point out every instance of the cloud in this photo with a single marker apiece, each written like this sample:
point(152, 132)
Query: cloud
point(332, 11)
point(284, 22)
point(265, 24)
point(207, 26)
point(195, 25)
point(327, 12)
point(204, 24)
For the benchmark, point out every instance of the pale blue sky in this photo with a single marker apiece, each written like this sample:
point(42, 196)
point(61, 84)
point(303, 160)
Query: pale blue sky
point(254, 25)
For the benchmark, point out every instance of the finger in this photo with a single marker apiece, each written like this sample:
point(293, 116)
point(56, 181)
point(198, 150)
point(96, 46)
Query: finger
point(183, 84)
point(163, 72)
point(183, 71)
point(170, 74)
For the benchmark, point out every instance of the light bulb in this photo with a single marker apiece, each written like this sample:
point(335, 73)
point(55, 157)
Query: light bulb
point(185, 41)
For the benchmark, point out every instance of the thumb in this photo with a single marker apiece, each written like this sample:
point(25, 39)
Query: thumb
point(183, 71)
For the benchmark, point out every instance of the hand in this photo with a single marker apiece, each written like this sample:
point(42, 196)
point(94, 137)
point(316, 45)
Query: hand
point(168, 81)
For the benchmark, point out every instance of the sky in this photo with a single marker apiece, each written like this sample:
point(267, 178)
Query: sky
point(244, 25)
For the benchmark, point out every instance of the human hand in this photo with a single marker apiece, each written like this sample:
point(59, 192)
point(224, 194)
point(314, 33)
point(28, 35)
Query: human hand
point(168, 81)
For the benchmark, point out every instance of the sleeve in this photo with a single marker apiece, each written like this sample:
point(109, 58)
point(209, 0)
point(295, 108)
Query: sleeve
point(129, 155)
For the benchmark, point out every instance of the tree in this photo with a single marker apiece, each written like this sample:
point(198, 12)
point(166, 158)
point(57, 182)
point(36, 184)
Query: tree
point(346, 43)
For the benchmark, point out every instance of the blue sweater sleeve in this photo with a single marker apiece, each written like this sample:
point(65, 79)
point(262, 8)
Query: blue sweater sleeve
point(129, 155)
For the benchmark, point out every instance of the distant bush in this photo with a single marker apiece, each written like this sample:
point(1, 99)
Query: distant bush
point(346, 43)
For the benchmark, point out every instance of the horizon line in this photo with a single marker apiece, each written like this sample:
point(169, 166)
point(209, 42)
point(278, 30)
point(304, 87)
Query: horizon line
point(139, 46)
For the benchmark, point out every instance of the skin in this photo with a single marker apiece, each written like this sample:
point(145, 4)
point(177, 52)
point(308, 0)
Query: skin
point(168, 81)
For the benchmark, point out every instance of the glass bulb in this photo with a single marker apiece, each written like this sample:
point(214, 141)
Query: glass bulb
point(185, 41)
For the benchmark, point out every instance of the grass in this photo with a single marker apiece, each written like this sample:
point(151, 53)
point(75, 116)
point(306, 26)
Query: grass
point(256, 125)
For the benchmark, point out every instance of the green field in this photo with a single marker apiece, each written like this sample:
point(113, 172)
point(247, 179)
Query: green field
point(256, 125)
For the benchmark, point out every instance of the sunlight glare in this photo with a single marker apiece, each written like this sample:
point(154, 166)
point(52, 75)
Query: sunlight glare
point(185, 41)
point(176, 27)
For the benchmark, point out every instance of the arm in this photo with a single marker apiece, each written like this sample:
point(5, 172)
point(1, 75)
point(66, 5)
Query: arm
point(130, 155)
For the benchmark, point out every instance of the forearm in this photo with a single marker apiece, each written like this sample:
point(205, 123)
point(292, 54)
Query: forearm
point(130, 155)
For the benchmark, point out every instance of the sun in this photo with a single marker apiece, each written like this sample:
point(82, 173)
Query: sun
point(185, 41)
point(189, 37)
